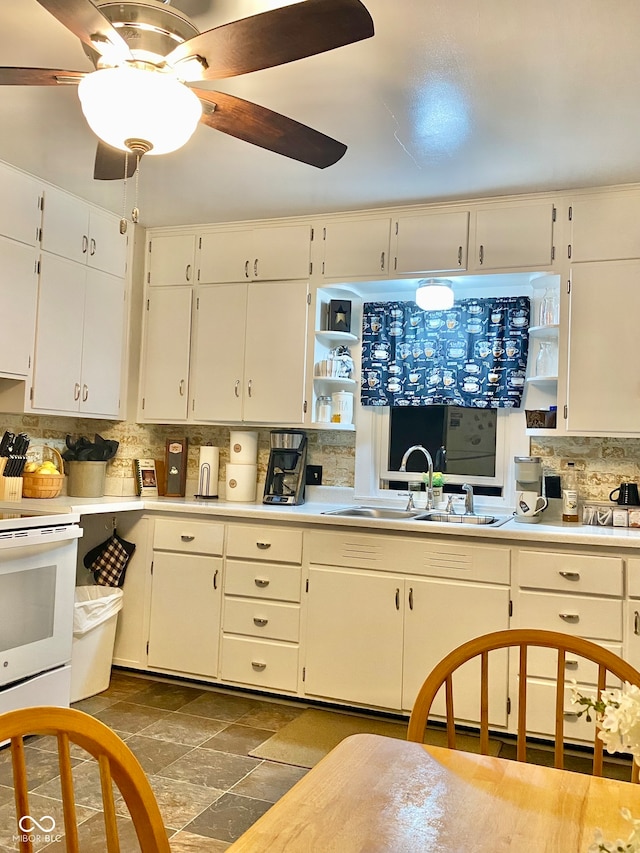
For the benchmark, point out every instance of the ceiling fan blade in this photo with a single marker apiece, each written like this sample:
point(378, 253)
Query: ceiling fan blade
point(270, 130)
point(109, 164)
point(276, 37)
point(38, 76)
point(88, 23)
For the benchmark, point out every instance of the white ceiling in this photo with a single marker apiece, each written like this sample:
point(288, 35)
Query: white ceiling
point(450, 99)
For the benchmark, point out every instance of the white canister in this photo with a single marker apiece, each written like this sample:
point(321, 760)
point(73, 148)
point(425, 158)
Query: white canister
point(241, 482)
point(243, 447)
point(342, 407)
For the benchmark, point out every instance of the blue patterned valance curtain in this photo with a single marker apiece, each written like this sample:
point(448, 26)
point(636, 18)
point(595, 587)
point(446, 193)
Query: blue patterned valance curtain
point(473, 355)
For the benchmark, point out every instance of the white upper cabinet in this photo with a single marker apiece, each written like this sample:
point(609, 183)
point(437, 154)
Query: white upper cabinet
point(19, 287)
point(171, 259)
point(514, 237)
point(248, 353)
point(73, 229)
point(20, 212)
point(165, 367)
point(605, 227)
point(603, 384)
point(79, 343)
point(354, 248)
point(430, 242)
point(269, 253)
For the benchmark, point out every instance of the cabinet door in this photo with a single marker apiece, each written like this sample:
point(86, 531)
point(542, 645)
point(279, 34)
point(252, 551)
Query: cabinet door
point(60, 320)
point(632, 646)
point(20, 209)
point(107, 246)
point(65, 225)
point(226, 256)
point(102, 349)
point(217, 376)
point(354, 636)
point(605, 228)
point(603, 384)
point(19, 285)
point(184, 627)
point(440, 616)
point(281, 253)
point(166, 355)
point(520, 236)
point(275, 352)
point(432, 242)
point(171, 259)
point(356, 248)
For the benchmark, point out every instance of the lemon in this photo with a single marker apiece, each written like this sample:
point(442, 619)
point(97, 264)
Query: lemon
point(30, 467)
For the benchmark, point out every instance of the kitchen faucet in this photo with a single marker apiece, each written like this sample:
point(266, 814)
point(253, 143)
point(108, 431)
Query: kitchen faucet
point(403, 467)
point(468, 499)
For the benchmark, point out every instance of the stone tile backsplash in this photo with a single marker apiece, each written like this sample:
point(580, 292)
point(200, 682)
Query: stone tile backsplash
point(602, 463)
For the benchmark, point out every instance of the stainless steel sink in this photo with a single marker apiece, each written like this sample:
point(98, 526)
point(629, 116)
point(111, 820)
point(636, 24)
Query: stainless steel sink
point(453, 518)
point(374, 512)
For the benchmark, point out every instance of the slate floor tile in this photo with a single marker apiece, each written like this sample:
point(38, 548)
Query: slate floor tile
point(220, 706)
point(210, 768)
point(269, 781)
point(228, 817)
point(155, 754)
point(185, 728)
point(237, 739)
point(170, 697)
point(127, 717)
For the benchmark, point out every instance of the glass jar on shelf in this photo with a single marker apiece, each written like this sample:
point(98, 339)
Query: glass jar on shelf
point(549, 308)
point(323, 410)
point(546, 360)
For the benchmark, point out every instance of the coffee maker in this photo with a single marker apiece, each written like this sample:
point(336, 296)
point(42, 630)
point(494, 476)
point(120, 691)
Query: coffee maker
point(286, 472)
point(528, 471)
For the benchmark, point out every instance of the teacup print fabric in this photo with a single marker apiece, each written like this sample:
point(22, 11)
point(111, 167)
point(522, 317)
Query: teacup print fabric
point(473, 355)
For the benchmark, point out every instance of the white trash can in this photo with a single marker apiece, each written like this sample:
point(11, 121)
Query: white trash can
point(95, 614)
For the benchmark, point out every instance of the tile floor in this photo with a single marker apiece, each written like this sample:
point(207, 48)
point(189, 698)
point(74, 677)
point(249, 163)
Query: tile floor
point(193, 743)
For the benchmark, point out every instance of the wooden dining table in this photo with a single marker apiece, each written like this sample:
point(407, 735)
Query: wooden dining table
point(374, 794)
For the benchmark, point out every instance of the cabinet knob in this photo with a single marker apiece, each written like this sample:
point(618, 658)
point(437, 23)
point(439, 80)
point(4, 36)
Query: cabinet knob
point(636, 623)
point(92, 249)
point(186, 538)
point(76, 391)
point(215, 579)
point(246, 269)
point(259, 665)
point(237, 388)
point(570, 715)
point(249, 386)
point(261, 582)
point(255, 268)
point(459, 256)
point(187, 272)
point(397, 599)
point(259, 621)
point(263, 546)
point(481, 255)
point(570, 576)
point(85, 244)
point(181, 388)
point(571, 664)
point(85, 393)
point(382, 261)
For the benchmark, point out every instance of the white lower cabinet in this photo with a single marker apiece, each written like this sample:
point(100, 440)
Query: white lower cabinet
point(261, 619)
point(576, 593)
point(186, 596)
point(372, 637)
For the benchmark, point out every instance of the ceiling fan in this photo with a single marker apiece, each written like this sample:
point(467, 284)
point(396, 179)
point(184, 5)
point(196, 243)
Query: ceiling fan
point(149, 46)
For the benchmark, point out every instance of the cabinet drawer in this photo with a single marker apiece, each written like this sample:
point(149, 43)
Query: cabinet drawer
point(266, 580)
point(580, 616)
point(541, 712)
point(201, 537)
point(633, 576)
point(260, 662)
point(542, 663)
point(275, 544)
point(571, 572)
point(264, 619)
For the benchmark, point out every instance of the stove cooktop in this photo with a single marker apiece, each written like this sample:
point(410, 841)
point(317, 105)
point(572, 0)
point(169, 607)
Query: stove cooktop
point(20, 520)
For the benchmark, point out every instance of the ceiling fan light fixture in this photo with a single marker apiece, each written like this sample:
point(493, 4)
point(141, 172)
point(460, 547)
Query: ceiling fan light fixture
point(434, 294)
point(126, 103)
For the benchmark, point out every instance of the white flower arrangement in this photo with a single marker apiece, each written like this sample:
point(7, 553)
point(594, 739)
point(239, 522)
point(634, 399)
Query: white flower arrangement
point(617, 716)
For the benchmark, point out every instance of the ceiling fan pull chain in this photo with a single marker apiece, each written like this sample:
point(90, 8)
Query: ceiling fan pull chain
point(123, 221)
point(135, 213)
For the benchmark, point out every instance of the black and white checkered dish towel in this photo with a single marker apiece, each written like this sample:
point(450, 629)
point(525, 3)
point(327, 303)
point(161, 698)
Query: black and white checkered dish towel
point(109, 560)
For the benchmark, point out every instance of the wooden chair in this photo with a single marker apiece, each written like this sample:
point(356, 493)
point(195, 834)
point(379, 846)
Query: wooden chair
point(116, 764)
point(523, 639)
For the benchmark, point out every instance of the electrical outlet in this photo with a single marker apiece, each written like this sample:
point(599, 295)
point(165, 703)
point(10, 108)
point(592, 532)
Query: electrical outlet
point(313, 475)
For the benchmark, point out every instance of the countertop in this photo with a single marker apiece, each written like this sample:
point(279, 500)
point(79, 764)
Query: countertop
point(313, 513)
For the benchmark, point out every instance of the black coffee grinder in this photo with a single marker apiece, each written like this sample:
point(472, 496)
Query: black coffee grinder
point(286, 471)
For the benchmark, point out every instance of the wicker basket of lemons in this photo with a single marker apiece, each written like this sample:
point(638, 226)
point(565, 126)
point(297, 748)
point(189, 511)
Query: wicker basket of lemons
point(43, 474)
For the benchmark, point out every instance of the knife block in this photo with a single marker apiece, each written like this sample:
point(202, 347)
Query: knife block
point(10, 488)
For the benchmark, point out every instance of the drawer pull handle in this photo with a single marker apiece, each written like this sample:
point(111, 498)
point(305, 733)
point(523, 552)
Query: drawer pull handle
point(571, 664)
point(256, 664)
point(571, 715)
point(263, 546)
point(259, 622)
point(636, 622)
point(410, 598)
point(262, 582)
point(570, 576)
point(397, 599)
point(186, 538)
point(215, 579)
point(569, 617)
